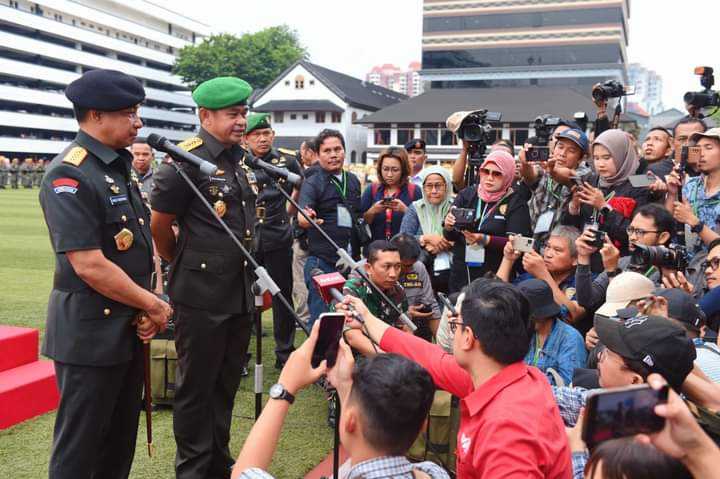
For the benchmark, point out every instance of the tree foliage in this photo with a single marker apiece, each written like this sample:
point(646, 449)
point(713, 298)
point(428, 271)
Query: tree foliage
point(255, 57)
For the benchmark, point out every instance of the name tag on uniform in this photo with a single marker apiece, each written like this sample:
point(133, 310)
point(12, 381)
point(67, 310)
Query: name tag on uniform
point(544, 221)
point(344, 220)
point(475, 255)
point(118, 200)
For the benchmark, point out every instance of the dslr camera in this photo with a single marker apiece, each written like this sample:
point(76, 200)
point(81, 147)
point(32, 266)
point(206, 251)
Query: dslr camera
point(610, 89)
point(707, 97)
point(544, 126)
point(673, 256)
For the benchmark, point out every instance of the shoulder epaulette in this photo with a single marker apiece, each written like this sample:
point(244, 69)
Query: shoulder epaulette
point(287, 151)
point(75, 156)
point(190, 143)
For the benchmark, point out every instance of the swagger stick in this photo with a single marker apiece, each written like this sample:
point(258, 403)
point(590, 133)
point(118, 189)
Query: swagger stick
point(148, 395)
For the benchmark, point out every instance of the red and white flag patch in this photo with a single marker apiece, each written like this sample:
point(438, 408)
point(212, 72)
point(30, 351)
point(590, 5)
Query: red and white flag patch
point(65, 185)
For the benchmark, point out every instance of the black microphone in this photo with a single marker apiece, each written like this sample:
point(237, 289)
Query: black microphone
point(273, 170)
point(163, 144)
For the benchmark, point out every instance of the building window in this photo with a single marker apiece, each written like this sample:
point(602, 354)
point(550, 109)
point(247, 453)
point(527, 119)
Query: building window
point(519, 136)
point(312, 82)
point(299, 82)
point(354, 116)
point(287, 82)
point(336, 117)
point(447, 138)
point(382, 137)
point(430, 136)
point(353, 157)
point(305, 116)
point(319, 117)
point(293, 116)
point(278, 116)
point(363, 157)
point(404, 136)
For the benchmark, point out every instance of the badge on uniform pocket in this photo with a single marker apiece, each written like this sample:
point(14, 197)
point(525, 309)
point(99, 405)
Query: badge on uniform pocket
point(220, 208)
point(124, 239)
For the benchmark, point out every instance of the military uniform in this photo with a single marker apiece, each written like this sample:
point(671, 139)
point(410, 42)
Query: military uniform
point(39, 172)
point(209, 285)
point(357, 287)
point(14, 175)
point(90, 202)
point(4, 172)
point(26, 175)
point(275, 236)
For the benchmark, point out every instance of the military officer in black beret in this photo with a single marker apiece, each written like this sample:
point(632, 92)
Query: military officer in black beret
point(274, 231)
point(101, 237)
point(209, 283)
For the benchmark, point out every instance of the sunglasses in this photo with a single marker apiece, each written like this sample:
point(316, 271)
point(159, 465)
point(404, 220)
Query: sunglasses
point(493, 173)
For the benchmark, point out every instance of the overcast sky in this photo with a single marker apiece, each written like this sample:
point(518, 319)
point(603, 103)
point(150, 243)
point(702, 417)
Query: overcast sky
point(352, 36)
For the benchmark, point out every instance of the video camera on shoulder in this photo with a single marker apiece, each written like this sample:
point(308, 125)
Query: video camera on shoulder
point(610, 89)
point(673, 256)
point(464, 218)
point(544, 125)
point(707, 97)
point(475, 129)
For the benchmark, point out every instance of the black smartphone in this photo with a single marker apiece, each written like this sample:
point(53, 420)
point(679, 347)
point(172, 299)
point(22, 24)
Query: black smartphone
point(599, 240)
point(464, 218)
point(620, 412)
point(331, 326)
point(448, 304)
point(536, 154)
point(577, 180)
point(388, 199)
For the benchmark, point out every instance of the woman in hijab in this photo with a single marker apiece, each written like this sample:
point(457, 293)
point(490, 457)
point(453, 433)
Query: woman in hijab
point(491, 210)
point(424, 220)
point(607, 197)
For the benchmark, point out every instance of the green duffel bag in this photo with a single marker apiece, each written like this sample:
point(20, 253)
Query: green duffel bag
point(163, 362)
point(438, 441)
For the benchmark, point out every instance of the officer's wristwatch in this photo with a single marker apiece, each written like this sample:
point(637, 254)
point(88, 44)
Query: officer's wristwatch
point(278, 391)
point(698, 227)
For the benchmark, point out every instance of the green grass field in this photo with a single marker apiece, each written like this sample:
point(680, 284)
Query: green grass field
point(26, 269)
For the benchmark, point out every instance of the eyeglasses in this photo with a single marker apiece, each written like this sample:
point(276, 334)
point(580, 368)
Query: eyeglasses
point(638, 231)
point(434, 186)
point(391, 169)
point(713, 264)
point(456, 324)
point(493, 173)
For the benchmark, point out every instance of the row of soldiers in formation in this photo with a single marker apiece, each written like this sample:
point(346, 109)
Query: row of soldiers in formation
point(14, 173)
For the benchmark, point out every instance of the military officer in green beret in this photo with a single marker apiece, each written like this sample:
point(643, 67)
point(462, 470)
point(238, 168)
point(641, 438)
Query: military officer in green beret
point(274, 230)
point(209, 283)
point(101, 237)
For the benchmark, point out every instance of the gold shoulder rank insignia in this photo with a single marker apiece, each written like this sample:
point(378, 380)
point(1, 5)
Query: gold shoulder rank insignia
point(75, 156)
point(287, 151)
point(191, 143)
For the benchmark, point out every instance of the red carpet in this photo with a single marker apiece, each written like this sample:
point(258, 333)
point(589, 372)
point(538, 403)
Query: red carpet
point(27, 386)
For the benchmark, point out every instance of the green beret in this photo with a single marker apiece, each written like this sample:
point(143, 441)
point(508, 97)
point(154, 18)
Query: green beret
point(257, 121)
point(222, 92)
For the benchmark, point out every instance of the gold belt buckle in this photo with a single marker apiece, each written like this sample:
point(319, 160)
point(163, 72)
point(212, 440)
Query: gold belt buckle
point(260, 212)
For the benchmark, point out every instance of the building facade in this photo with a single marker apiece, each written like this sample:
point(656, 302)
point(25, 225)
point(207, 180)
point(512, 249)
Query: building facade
point(46, 44)
point(510, 43)
point(392, 77)
point(307, 98)
point(648, 88)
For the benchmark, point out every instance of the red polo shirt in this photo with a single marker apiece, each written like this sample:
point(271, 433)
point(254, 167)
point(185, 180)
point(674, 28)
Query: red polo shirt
point(510, 426)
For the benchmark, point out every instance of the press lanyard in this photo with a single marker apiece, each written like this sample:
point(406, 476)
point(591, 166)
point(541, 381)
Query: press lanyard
point(341, 187)
point(536, 358)
point(551, 190)
point(650, 271)
point(388, 217)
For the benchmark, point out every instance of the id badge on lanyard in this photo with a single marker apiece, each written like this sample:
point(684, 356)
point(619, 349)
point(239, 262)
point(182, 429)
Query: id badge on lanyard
point(475, 255)
point(344, 220)
point(544, 222)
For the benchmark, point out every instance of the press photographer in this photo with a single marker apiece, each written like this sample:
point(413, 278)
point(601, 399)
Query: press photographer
point(601, 93)
point(657, 149)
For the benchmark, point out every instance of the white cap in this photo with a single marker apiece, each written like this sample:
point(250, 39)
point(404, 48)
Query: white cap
point(622, 290)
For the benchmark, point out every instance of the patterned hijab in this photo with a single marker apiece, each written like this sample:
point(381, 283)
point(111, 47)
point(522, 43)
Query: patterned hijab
point(431, 216)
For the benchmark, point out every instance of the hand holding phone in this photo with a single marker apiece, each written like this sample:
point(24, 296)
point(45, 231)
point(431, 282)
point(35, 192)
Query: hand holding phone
point(331, 326)
point(522, 244)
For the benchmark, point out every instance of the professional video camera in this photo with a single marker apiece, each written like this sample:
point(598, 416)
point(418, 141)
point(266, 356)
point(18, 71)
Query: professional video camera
point(610, 89)
point(707, 97)
point(544, 126)
point(475, 129)
point(673, 256)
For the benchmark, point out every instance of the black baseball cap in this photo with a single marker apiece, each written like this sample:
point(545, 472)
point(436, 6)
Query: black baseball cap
point(416, 144)
point(662, 346)
point(683, 307)
point(540, 297)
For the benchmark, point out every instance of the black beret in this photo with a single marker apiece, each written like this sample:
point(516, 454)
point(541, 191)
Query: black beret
point(415, 144)
point(105, 90)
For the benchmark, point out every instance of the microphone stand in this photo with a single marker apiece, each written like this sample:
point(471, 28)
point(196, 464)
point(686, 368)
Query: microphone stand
point(345, 260)
point(263, 283)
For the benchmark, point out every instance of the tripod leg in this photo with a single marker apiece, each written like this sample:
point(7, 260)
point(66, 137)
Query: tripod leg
point(258, 359)
point(336, 440)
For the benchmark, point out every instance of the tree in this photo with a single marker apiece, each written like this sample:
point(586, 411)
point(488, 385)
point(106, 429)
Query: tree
point(255, 57)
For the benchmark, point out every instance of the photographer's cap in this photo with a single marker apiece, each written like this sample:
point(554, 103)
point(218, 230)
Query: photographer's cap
point(713, 133)
point(576, 136)
point(683, 307)
point(622, 290)
point(660, 345)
